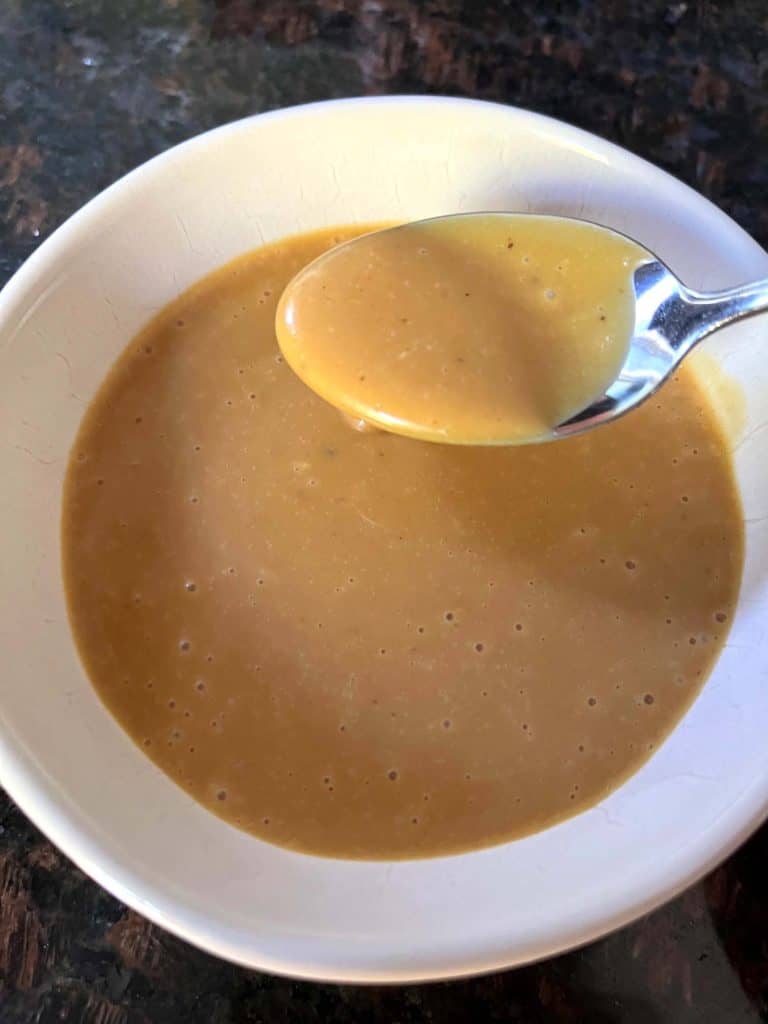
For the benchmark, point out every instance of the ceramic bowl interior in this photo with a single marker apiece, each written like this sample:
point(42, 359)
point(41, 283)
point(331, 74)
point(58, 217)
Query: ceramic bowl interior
point(63, 320)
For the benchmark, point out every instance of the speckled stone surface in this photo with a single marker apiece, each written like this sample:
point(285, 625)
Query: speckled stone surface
point(91, 88)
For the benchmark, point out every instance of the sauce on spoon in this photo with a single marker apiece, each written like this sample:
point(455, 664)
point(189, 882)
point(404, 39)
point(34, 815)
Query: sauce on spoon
point(469, 329)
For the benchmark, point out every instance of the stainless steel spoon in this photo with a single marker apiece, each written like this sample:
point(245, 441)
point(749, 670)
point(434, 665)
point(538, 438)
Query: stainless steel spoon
point(670, 320)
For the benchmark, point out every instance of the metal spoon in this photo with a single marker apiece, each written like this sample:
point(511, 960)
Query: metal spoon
point(670, 320)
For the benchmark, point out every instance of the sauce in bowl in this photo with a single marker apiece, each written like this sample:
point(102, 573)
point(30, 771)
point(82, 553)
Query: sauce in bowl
point(359, 645)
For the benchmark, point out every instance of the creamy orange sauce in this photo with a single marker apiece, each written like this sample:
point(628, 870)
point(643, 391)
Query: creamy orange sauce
point(362, 645)
point(472, 329)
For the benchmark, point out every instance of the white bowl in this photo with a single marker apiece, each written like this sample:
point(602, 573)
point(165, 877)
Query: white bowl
point(65, 317)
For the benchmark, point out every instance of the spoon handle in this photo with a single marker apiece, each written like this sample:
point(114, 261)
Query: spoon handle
point(706, 312)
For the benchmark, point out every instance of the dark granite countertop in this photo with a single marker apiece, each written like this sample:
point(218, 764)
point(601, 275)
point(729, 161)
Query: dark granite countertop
point(90, 89)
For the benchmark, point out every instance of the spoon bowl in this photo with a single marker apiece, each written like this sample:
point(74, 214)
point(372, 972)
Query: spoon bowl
point(486, 328)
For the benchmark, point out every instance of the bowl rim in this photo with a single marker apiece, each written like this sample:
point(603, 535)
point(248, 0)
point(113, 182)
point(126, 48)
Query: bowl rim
point(26, 783)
